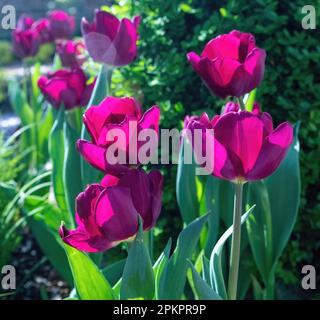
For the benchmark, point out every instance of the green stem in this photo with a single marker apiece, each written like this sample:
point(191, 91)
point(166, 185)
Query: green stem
point(270, 287)
point(148, 241)
point(241, 103)
point(235, 244)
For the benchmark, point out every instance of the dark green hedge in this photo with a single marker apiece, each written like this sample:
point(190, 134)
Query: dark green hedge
point(290, 90)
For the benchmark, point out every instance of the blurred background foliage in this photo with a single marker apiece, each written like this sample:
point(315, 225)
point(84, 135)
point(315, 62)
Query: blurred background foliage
point(290, 89)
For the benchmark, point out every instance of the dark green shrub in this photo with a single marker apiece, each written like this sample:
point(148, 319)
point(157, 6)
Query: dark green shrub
point(6, 56)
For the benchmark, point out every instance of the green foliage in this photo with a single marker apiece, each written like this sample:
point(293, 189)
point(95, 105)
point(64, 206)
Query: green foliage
point(6, 56)
point(290, 90)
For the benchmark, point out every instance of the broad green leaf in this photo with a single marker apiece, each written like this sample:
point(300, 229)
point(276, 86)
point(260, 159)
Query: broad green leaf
point(101, 89)
point(50, 244)
point(177, 266)
point(113, 272)
point(277, 199)
point(216, 271)
point(44, 127)
point(204, 291)
point(71, 168)
point(56, 150)
point(159, 266)
point(186, 188)
point(88, 279)
point(138, 277)
point(251, 99)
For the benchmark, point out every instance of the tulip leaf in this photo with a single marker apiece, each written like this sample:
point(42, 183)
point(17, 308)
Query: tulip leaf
point(186, 188)
point(202, 288)
point(216, 271)
point(56, 150)
point(173, 277)
point(101, 89)
point(50, 244)
point(277, 199)
point(89, 281)
point(113, 272)
point(138, 277)
point(71, 168)
point(159, 266)
point(250, 100)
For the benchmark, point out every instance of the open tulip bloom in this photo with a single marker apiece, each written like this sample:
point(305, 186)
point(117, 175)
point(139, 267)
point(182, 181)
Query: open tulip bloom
point(109, 40)
point(230, 64)
point(107, 213)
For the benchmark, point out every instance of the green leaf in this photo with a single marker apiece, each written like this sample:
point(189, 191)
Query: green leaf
point(251, 99)
point(216, 271)
point(186, 188)
point(88, 279)
point(113, 272)
point(89, 174)
point(177, 266)
point(138, 277)
point(56, 150)
point(277, 199)
point(204, 291)
point(71, 168)
point(50, 244)
point(159, 266)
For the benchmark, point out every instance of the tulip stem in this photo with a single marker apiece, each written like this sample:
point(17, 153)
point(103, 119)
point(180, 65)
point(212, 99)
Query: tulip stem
point(241, 103)
point(235, 244)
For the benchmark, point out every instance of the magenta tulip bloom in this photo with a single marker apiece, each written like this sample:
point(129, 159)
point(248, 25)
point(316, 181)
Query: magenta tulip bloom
point(109, 40)
point(70, 53)
point(25, 43)
point(62, 25)
point(24, 23)
point(43, 27)
point(67, 88)
point(230, 64)
point(107, 213)
point(114, 113)
point(246, 147)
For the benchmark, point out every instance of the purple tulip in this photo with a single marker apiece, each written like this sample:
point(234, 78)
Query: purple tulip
point(109, 40)
point(230, 64)
point(107, 213)
point(25, 43)
point(114, 113)
point(24, 23)
point(67, 88)
point(43, 27)
point(246, 147)
point(62, 25)
point(70, 53)
point(234, 106)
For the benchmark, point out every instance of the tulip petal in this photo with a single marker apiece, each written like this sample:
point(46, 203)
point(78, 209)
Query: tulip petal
point(106, 23)
point(116, 214)
point(242, 135)
point(194, 59)
point(273, 152)
point(254, 65)
point(110, 110)
point(83, 241)
point(96, 156)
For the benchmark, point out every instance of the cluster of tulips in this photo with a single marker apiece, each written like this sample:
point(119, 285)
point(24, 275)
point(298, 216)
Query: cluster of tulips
point(245, 146)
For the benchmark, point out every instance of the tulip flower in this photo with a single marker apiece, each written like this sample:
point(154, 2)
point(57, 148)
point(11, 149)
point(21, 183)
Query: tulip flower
point(107, 213)
point(246, 147)
point(109, 40)
point(62, 25)
point(67, 88)
point(24, 23)
point(25, 43)
point(43, 27)
point(70, 53)
point(114, 113)
point(230, 64)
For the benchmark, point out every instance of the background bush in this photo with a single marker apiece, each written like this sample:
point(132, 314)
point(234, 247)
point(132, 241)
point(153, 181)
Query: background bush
point(290, 90)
